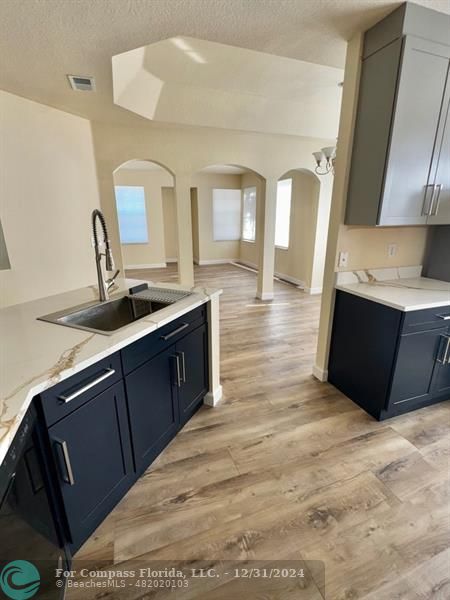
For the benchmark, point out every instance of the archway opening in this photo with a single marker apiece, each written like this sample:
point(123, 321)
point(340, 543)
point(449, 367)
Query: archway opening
point(227, 218)
point(146, 214)
point(296, 227)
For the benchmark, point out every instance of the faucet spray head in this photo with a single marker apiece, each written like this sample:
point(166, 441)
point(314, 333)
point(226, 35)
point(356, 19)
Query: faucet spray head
point(109, 260)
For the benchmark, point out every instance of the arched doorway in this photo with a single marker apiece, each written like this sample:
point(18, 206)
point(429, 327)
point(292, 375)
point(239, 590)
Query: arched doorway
point(227, 218)
point(146, 214)
point(301, 228)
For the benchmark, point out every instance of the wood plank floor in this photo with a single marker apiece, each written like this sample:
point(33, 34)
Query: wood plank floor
point(288, 468)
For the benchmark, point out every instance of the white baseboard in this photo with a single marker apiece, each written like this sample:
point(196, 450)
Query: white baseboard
point(289, 279)
point(312, 291)
point(214, 261)
point(147, 266)
point(171, 260)
point(213, 398)
point(320, 374)
point(245, 264)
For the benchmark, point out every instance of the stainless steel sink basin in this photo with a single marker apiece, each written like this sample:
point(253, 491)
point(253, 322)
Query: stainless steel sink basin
point(105, 317)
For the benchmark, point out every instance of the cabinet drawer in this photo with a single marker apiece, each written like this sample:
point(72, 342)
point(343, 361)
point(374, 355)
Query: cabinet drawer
point(138, 353)
point(430, 318)
point(70, 394)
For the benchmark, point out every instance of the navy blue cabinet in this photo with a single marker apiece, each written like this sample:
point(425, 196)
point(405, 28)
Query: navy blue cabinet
point(153, 407)
point(193, 364)
point(164, 392)
point(388, 361)
point(92, 453)
point(414, 372)
point(104, 426)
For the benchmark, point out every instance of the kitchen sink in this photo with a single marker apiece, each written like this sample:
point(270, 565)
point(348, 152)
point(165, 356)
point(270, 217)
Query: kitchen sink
point(106, 317)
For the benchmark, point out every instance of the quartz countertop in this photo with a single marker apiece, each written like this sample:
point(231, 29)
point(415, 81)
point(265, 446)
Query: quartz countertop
point(405, 294)
point(35, 355)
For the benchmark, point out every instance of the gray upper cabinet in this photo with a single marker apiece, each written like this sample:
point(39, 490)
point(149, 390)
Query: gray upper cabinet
point(400, 167)
point(441, 177)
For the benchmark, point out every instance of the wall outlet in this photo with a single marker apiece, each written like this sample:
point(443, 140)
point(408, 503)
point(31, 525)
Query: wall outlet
point(343, 259)
point(392, 250)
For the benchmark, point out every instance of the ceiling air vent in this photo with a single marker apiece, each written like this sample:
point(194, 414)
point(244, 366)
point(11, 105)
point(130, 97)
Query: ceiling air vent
point(80, 83)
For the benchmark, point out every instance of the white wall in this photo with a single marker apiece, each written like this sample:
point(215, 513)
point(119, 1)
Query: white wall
point(170, 224)
point(296, 262)
point(208, 249)
point(48, 188)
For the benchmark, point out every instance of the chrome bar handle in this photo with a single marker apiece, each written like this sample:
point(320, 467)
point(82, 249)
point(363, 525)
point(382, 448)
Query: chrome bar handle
point(174, 332)
point(446, 357)
point(434, 207)
point(444, 317)
point(177, 361)
point(426, 210)
point(183, 366)
point(69, 478)
point(85, 388)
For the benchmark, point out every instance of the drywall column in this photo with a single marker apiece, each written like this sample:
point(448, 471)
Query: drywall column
point(338, 202)
point(267, 243)
point(184, 230)
point(322, 225)
point(215, 389)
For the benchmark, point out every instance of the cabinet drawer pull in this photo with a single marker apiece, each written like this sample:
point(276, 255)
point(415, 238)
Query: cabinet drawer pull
point(174, 332)
point(445, 317)
point(68, 476)
point(183, 366)
point(445, 360)
point(85, 388)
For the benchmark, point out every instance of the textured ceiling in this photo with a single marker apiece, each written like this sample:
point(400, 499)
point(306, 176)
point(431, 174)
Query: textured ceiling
point(43, 40)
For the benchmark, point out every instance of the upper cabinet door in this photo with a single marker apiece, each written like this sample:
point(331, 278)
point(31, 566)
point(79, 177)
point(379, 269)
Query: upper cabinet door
point(440, 207)
point(416, 134)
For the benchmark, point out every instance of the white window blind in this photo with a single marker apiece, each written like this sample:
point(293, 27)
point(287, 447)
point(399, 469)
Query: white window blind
point(249, 214)
point(283, 214)
point(226, 215)
point(130, 202)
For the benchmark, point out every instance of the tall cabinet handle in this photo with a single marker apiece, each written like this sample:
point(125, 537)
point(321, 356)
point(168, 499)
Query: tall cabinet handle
point(427, 206)
point(183, 366)
point(85, 388)
point(445, 360)
point(68, 475)
point(177, 367)
point(435, 204)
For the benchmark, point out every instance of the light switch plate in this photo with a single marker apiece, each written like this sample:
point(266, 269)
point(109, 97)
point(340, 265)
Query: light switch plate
point(392, 250)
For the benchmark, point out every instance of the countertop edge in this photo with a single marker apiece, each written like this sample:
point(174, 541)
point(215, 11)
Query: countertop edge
point(347, 288)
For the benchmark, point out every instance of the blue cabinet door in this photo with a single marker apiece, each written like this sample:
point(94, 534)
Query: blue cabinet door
point(153, 407)
point(441, 381)
point(192, 356)
point(416, 366)
point(92, 452)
